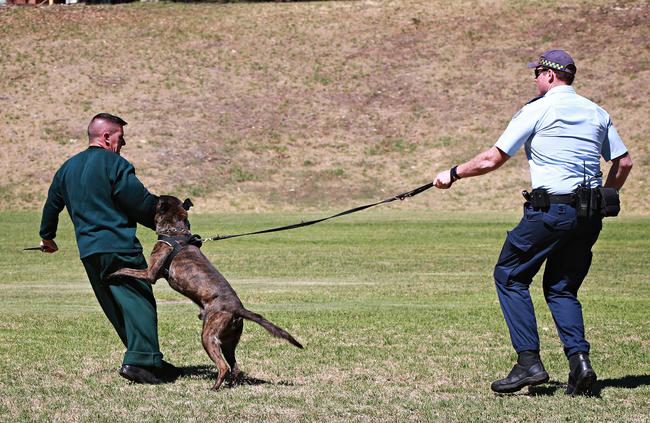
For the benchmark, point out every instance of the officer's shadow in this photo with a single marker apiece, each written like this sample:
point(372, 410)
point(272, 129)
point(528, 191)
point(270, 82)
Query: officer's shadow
point(628, 382)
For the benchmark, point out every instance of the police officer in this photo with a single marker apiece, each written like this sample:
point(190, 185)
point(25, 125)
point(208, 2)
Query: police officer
point(105, 201)
point(564, 135)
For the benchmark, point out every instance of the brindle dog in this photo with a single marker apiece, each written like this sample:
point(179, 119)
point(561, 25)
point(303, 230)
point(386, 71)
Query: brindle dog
point(191, 274)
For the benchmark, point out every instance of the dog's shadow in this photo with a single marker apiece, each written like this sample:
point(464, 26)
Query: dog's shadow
point(209, 373)
point(627, 382)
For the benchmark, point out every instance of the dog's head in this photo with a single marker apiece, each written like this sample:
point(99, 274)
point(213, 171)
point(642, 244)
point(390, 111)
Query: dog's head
point(171, 214)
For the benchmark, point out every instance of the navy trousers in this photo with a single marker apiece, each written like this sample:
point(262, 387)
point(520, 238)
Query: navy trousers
point(555, 235)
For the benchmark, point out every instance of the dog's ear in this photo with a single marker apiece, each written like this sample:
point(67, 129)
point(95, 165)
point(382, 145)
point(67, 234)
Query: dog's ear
point(187, 204)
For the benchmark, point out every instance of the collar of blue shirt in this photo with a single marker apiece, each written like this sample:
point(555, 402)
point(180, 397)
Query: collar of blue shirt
point(561, 89)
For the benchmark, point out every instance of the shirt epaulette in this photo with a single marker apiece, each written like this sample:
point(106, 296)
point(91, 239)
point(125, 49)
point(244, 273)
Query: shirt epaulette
point(531, 101)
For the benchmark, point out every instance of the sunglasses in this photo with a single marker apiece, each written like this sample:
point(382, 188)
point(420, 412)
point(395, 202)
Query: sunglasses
point(538, 71)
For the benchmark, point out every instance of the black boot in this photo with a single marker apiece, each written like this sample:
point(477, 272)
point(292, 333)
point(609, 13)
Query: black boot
point(150, 374)
point(139, 374)
point(581, 376)
point(529, 371)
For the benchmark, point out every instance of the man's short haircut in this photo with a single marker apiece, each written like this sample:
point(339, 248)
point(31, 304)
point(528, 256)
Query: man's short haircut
point(111, 118)
point(564, 76)
point(105, 116)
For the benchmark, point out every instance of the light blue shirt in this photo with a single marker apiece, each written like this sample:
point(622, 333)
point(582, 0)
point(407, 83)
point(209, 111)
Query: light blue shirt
point(561, 131)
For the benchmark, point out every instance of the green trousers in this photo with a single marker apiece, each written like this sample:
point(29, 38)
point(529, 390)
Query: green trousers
point(128, 303)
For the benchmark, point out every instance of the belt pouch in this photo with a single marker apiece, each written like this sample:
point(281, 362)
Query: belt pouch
point(610, 203)
point(539, 199)
point(594, 202)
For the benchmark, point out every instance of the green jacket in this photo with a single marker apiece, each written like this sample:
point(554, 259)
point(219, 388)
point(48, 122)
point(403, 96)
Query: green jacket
point(105, 201)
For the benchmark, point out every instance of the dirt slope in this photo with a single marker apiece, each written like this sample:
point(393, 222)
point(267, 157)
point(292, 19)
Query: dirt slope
point(267, 106)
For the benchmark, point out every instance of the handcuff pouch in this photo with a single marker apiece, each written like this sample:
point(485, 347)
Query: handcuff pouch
point(610, 203)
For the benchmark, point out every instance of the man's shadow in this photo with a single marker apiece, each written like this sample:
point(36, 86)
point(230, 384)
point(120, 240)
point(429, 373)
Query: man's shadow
point(628, 382)
point(209, 373)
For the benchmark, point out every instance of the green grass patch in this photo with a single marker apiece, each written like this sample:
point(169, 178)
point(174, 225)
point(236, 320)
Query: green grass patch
point(396, 309)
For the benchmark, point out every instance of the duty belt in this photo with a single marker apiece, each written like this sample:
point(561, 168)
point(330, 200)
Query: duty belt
point(540, 199)
point(562, 199)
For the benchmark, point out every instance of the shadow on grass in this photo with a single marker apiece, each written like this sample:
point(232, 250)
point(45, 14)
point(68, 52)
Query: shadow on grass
point(209, 373)
point(628, 382)
point(548, 389)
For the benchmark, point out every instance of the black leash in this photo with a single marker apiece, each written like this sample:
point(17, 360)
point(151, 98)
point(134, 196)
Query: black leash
point(400, 197)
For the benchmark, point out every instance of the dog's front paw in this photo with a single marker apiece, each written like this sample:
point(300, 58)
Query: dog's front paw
point(131, 273)
point(113, 275)
point(112, 278)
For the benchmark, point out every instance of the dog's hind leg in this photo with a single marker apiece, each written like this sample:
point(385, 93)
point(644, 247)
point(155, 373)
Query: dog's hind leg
point(228, 346)
point(214, 325)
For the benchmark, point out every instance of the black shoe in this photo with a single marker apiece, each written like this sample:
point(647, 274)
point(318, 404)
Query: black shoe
point(520, 377)
point(581, 376)
point(168, 371)
point(139, 374)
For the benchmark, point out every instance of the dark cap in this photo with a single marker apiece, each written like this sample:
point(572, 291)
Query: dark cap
point(557, 60)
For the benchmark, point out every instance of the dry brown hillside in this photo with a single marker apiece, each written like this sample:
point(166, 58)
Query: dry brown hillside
point(267, 106)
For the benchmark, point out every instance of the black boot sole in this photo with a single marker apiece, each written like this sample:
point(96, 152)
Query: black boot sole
point(534, 380)
point(583, 385)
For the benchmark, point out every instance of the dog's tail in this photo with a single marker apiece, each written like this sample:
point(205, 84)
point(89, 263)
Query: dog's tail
point(270, 327)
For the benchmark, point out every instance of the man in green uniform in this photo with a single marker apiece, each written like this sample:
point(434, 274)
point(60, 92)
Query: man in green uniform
point(105, 201)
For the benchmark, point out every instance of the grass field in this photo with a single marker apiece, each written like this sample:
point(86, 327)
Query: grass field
point(396, 309)
point(306, 106)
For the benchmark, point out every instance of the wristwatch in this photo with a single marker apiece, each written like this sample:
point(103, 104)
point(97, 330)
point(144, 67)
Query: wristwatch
point(453, 174)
